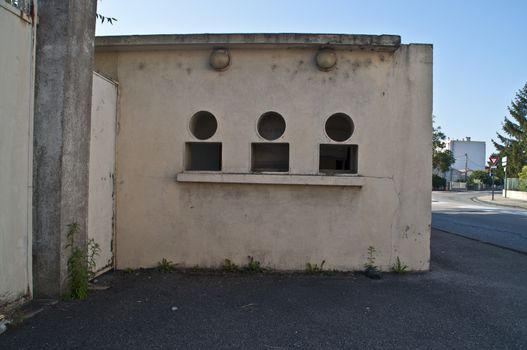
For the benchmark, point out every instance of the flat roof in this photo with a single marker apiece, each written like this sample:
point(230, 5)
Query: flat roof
point(174, 41)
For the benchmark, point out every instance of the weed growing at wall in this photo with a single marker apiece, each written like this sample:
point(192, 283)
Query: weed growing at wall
point(253, 266)
point(165, 265)
point(315, 268)
point(81, 264)
point(93, 250)
point(371, 270)
point(370, 259)
point(229, 266)
point(399, 267)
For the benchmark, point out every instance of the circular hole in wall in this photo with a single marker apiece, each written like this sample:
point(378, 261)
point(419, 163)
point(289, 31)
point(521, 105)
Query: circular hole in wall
point(203, 125)
point(339, 127)
point(271, 126)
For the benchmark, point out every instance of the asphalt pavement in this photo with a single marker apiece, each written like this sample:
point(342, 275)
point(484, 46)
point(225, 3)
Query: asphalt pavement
point(474, 297)
point(459, 213)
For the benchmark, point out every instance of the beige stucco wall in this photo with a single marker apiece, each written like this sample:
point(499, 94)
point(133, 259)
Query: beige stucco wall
point(389, 97)
point(16, 124)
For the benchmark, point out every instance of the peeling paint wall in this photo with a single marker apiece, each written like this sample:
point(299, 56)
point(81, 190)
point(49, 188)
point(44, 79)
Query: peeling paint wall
point(16, 130)
point(387, 94)
point(102, 169)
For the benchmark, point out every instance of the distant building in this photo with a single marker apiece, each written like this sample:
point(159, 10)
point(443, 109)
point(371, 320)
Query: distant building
point(470, 156)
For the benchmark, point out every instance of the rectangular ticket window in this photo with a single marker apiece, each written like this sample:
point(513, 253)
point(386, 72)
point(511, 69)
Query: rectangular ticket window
point(270, 157)
point(203, 156)
point(336, 159)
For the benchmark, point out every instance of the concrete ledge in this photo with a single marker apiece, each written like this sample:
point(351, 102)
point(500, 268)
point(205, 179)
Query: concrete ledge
point(164, 42)
point(518, 195)
point(272, 179)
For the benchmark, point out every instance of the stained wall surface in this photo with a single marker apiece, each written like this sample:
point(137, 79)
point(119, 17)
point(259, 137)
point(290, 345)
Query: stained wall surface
point(16, 130)
point(102, 169)
point(286, 220)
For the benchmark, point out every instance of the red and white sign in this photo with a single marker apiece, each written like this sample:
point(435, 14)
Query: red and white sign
point(493, 160)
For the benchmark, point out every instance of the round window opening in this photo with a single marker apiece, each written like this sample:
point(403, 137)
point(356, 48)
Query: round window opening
point(271, 126)
point(339, 127)
point(203, 125)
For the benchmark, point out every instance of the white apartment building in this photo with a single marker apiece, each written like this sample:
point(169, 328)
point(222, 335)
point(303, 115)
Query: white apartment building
point(470, 156)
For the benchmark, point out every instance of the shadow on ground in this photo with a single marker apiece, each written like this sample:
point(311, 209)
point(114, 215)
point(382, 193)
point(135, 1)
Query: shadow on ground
point(475, 297)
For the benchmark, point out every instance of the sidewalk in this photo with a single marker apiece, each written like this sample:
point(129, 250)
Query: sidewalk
point(499, 200)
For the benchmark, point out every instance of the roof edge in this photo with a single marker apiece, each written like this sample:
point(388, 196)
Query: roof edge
point(383, 42)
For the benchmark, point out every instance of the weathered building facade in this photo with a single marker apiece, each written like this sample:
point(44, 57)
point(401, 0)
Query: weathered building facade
point(17, 42)
point(469, 155)
point(289, 148)
point(46, 67)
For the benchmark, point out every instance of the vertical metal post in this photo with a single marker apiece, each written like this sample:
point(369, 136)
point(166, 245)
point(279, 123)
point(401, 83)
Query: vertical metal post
point(450, 183)
point(492, 179)
point(505, 182)
point(466, 169)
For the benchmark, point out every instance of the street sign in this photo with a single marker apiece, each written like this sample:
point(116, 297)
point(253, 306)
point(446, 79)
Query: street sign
point(504, 161)
point(493, 160)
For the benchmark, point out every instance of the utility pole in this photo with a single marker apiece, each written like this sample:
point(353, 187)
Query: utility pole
point(450, 183)
point(466, 168)
point(61, 138)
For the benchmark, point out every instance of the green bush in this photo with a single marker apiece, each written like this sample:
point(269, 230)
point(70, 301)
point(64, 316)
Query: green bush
point(480, 176)
point(522, 184)
point(438, 183)
point(81, 264)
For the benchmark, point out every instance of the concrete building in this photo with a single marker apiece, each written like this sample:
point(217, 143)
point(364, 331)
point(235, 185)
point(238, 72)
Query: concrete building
point(289, 148)
point(17, 42)
point(470, 155)
point(45, 115)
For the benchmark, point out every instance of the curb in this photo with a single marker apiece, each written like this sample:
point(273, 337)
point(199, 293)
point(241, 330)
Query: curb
point(478, 200)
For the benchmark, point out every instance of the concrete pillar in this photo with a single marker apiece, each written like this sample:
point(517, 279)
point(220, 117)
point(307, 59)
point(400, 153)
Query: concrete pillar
point(63, 85)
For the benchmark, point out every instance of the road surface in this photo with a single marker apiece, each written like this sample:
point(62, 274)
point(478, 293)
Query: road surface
point(457, 213)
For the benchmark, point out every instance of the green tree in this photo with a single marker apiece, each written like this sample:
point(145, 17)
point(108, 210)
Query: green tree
point(513, 142)
point(480, 176)
point(523, 174)
point(105, 18)
point(523, 179)
point(438, 136)
point(438, 183)
point(442, 159)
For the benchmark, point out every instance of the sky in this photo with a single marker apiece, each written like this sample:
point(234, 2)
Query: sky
point(480, 47)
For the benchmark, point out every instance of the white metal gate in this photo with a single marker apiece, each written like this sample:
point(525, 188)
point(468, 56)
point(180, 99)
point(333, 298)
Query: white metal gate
point(102, 169)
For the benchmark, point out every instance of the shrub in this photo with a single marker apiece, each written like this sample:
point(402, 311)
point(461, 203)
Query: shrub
point(480, 176)
point(522, 185)
point(438, 183)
